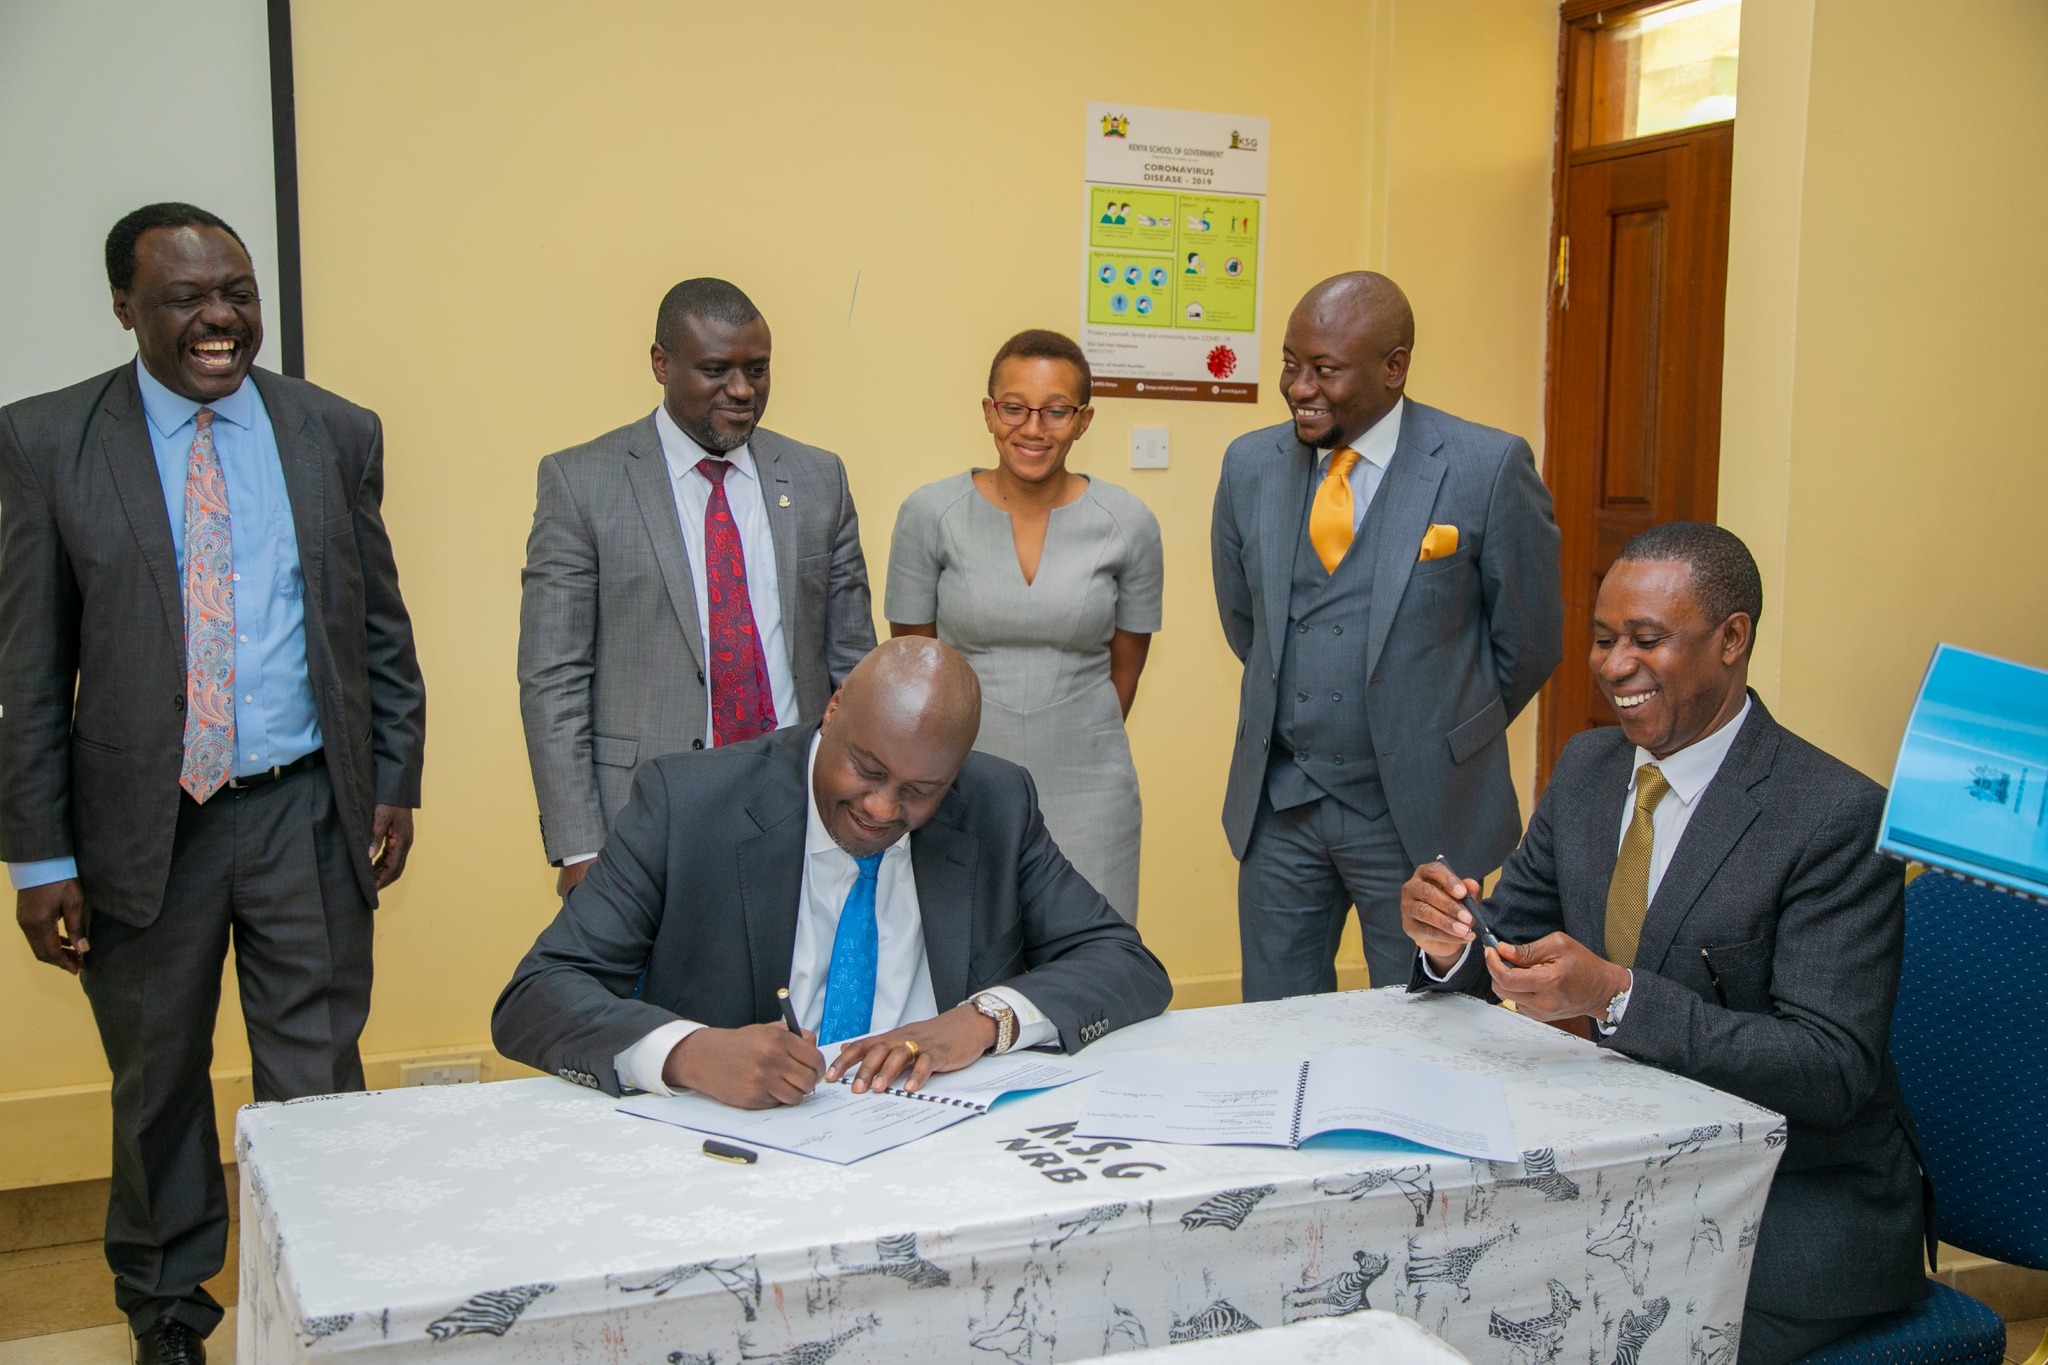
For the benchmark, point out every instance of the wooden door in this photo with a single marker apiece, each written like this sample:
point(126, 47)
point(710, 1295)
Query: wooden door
point(1634, 411)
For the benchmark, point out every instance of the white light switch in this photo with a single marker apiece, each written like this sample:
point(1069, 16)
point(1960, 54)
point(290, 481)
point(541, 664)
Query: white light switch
point(1148, 447)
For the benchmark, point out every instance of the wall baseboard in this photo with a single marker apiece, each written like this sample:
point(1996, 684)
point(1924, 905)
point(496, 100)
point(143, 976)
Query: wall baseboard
point(60, 1136)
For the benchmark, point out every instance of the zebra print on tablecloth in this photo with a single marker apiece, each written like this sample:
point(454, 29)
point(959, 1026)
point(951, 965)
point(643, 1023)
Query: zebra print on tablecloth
point(493, 1312)
point(1226, 1210)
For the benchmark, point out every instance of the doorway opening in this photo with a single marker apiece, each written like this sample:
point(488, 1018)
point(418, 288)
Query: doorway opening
point(1639, 239)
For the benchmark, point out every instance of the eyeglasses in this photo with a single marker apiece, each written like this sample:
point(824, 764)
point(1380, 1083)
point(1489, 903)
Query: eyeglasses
point(1053, 417)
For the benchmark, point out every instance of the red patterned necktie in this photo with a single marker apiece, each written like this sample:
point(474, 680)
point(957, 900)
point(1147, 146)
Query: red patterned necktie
point(209, 620)
point(742, 706)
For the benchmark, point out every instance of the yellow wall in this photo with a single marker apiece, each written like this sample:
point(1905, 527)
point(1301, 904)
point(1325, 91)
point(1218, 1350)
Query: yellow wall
point(1887, 337)
point(495, 196)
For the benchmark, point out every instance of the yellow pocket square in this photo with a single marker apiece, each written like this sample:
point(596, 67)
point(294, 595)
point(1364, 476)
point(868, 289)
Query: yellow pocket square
point(1438, 542)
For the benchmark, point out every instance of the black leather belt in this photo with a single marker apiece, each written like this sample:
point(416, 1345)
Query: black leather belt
point(270, 775)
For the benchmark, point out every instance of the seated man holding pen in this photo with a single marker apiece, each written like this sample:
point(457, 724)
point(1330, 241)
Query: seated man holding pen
point(902, 887)
point(1699, 890)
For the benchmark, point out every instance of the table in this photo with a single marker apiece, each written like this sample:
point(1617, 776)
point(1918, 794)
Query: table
point(529, 1221)
point(1371, 1336)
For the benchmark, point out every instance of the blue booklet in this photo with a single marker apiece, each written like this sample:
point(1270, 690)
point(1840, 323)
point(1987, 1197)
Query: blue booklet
point(1970, 793)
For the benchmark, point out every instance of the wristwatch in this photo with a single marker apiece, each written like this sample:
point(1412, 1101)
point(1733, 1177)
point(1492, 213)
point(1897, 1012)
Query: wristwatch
point(998, 1009)
point(1611, 1020)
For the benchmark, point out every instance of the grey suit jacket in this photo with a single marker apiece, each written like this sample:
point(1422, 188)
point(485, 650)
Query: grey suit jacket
point(1778, 878)
point(92, 632)
point(1455, 647)
point(611, 666)
point(699, 887)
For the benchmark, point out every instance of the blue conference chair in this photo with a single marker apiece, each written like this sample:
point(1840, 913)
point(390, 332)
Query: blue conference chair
point(1970, 1039)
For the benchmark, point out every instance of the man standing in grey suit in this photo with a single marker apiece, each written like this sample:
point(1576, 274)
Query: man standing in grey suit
point(1700, 890)
point(211, 724)
point(1388, 575)
point(691, 580)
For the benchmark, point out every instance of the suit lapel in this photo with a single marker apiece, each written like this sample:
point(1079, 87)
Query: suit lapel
point(305, 488)
point(771, 871)
point(781, 514)
point(1726, 812)
point(131, 459)
point(942, 858)
point(1282, 502)
point(1408, 491)
point(647, 469)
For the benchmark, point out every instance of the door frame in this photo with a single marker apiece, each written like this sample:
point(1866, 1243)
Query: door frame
point(1579, 21)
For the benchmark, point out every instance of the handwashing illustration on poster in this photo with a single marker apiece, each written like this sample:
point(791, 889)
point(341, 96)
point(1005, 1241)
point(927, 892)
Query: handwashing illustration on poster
point(1172, 253)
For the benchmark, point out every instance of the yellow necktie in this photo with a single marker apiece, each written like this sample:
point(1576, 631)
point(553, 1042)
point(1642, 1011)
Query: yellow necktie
point(1628, 895)
point(1329, 516)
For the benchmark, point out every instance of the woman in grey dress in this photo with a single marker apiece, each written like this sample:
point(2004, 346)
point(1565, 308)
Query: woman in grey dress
point(1048, 581)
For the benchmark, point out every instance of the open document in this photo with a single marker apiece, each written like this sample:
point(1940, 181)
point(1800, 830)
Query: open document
point(1279, 1103)
point(1970, 792)
point(833, 1123)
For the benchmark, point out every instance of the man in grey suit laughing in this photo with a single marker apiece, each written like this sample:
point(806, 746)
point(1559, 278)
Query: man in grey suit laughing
point(1388, 575)
point(691, 579)
point(212, 726)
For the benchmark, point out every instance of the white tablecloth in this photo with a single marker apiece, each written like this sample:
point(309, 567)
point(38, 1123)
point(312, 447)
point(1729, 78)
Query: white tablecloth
point(528, 1220)
point(1371, 1336)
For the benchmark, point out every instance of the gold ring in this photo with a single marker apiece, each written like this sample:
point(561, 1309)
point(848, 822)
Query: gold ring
point(911, 1047)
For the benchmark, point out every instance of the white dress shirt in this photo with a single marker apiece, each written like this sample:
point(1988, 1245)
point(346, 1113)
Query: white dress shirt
point(743, 493)
point(1689, 771)
point(903, 977)
point(1375, 451)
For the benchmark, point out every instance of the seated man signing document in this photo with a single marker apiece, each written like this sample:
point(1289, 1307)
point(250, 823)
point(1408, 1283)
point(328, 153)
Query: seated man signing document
point(1703, 885)
point(901, 886)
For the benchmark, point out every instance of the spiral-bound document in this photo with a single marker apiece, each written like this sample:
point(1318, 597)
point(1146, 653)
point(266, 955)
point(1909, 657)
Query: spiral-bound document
point(1279, 1103)
point(835, 1124)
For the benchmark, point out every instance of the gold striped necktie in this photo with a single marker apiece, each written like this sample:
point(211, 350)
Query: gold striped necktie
point(1628, 895)
point(1330, 515)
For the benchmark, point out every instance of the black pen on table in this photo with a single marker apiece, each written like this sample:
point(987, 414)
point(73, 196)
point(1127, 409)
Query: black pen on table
point(1479, 924)
point(788, 1011)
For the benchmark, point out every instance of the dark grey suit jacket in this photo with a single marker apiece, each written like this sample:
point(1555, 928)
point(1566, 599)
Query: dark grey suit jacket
point(1455, 647)
point(92, 632)
point(1778, 877)
point(611, 667)
point(700, 882)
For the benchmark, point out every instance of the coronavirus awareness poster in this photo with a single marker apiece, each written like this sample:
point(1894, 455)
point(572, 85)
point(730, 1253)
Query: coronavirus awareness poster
point(1172, 253)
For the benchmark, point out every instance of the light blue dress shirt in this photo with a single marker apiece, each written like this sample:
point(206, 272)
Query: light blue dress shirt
point(275, 722)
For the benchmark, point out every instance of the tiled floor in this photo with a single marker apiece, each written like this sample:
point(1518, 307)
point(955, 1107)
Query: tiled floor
point(65, 1289)
point(2022, 1337)
point(103, 1346)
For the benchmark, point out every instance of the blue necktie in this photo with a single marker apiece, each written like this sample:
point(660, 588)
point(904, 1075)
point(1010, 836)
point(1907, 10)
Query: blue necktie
point(850, 984)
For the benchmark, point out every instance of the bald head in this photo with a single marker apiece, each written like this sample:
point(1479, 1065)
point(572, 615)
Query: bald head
point(1344, 363)
point(913, 685)
point(892, 741)
point(1363, 301)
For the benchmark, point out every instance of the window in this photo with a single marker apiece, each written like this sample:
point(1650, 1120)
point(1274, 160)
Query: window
point(1663, 69)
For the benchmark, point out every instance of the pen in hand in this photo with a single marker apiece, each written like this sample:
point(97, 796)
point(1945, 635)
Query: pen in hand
point(1479, 924)
point(788, 1011)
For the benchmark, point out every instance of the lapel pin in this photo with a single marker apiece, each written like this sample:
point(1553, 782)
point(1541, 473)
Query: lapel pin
point(782, 501)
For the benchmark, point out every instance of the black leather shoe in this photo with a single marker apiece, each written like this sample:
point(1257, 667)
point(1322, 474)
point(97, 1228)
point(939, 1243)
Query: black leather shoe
point(170, 1342)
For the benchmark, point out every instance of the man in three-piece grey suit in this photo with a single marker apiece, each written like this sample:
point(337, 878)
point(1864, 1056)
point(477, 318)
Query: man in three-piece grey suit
point(902, 887)
point(691, 579)
point(1700, 890)
point(1388, 574)
point(211, 725)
